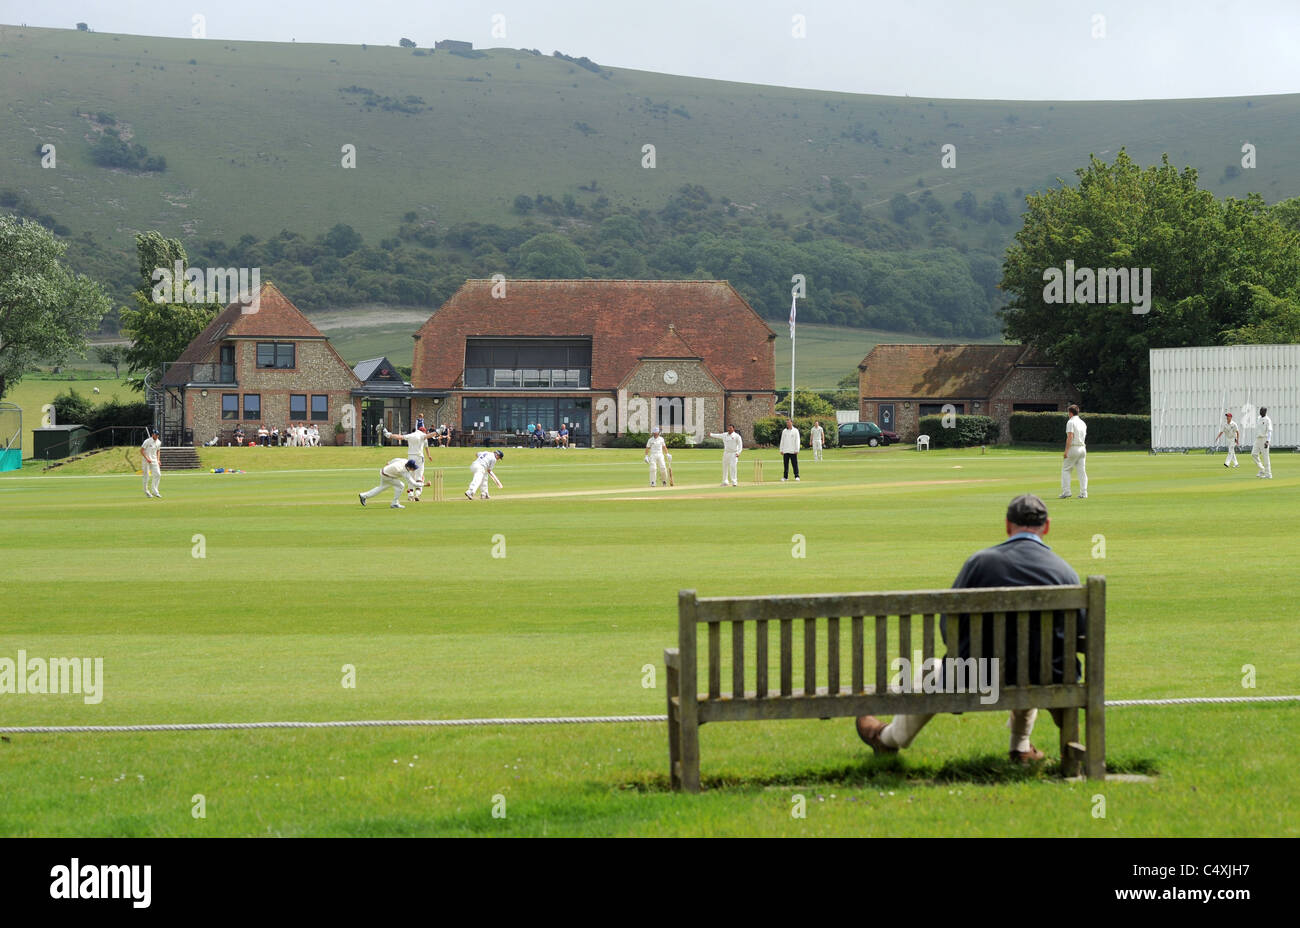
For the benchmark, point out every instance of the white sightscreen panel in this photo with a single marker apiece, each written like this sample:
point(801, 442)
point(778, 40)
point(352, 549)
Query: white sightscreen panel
point(1191, 389)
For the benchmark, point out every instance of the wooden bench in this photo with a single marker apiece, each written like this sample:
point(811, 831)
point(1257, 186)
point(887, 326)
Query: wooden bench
point(879, 626)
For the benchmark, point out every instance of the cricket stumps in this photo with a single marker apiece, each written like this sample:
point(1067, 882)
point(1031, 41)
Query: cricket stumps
point(758, 471)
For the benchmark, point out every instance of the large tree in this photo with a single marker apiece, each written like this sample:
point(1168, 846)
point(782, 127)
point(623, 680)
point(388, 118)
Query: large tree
point(1221, 271)
point(160, 330)
point(46, 311)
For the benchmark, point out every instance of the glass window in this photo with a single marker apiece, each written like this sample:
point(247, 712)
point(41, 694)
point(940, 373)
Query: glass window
point(230, 405)
point(272, 354)
point(320, 407)
point(252, 406)
point(297, 406)
point(670, 412)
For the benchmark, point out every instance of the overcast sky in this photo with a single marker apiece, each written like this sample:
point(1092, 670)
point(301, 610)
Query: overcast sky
point(981, 49)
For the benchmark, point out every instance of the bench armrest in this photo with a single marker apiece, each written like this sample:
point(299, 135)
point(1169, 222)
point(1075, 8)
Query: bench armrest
point(672, 658)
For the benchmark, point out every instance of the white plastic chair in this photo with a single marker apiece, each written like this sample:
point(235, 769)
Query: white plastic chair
point(922, 441)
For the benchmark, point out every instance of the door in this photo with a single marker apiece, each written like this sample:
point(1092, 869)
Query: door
point(887, 416)
point(372, 417)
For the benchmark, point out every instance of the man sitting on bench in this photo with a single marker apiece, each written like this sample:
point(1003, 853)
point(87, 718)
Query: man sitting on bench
point(1024, 559)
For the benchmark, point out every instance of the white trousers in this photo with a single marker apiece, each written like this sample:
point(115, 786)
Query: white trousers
point(418, 477)
point(151, 470)
point(1259, 454)
point(730, 463)
point(386, 481)
point(900, 732)
point(657, 463)
point(1232, 455)
point(480, 479)
point(1075, 459)
point(817, 450)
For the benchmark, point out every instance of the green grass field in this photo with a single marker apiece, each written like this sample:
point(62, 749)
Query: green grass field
point(297, 580)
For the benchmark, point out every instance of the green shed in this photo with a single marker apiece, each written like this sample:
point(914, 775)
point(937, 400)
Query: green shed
point(58, 441)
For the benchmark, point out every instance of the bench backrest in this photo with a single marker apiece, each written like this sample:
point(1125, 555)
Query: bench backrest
point(880, 626)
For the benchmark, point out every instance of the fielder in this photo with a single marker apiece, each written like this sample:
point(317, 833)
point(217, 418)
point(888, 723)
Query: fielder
point(818, 438)
point(1232, 433)
point(396, 474)
point(731, 447)
point(149, 464)
point(483, 468)
point(1263, 438)
point(654, 455)
point(1075, 456)
point(417, 444)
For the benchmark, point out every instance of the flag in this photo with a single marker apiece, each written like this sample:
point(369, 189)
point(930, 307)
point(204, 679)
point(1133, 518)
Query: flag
point(793, 302)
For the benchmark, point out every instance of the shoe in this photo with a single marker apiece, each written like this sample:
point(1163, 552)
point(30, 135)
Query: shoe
point(469, 496)
point(1064, 496)
point(1236, 465)
point(783, 479)
point(397, 506)
point(362, 497)
point(1025, 758)
point(485, 496)
point(869, 729)
point(1083, 496)
point(1225, 464)
point(796, 478)
point(157, 496)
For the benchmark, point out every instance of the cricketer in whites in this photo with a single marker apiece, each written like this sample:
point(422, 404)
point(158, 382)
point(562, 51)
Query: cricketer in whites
point(149, 464)
point(483, 468)
point(1232, 433)
point(396, 474)
point(731, 447)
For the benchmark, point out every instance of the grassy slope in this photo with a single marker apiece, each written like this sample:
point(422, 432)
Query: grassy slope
point(298, 580)
point(252, 135)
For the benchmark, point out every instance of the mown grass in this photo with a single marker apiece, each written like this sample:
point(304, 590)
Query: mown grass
point(298, 580)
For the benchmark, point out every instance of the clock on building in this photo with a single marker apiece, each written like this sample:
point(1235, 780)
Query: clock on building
point(670, 377)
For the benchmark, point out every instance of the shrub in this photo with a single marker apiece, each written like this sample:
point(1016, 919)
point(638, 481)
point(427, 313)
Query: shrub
point(768, 431)
point(965, 432)
point(1103, 428)
point(639, 439)
point(71, 408)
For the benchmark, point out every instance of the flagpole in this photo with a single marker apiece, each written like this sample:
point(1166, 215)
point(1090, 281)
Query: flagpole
point(793, 303)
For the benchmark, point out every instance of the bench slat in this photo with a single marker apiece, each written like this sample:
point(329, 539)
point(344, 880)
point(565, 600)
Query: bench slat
point(760, 658)
point(1070, 616)
point(737, 657)
point(715, 662)
point(927, 636)
point(810, 655)
point(858, 682)
point(882, 652)
point(833, 654)
point(977, 636)
point(1045, 648)
point(846, 705)
point(986, 599)
point(1022, 649)
point(787, 656)
point(905, 641)
point(1000, 639)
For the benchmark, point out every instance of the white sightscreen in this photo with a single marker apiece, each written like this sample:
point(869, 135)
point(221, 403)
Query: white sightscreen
point(1191, 389)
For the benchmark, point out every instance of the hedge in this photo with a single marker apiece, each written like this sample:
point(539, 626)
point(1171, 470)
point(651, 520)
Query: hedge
point(1103, 428)
point(72, 408)
point(768, 431)
point(964, 432)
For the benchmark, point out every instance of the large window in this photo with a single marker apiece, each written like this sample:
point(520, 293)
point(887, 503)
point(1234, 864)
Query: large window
point(230, 405)
point(252, 405)
point(320, 407)
point(297, 406)
point(528, 363)
point(670, 413)
point(508, 414)
point(936, 409)
point(276, 354)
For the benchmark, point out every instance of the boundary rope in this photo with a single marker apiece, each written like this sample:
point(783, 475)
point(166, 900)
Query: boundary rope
point(467, 723)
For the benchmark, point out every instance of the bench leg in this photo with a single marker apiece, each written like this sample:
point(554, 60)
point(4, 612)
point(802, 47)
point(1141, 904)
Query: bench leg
point(1096, 763)
point(690, 747)
point(674, 725)
point(1069, 742)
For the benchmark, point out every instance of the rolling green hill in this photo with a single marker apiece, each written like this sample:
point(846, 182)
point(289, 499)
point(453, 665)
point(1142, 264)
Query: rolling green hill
point(252, 136)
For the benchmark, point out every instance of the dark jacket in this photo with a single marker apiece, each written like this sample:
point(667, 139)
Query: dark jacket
point(1022, 560)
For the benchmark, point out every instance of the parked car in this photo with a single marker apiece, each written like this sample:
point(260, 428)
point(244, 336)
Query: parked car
point(865, 433)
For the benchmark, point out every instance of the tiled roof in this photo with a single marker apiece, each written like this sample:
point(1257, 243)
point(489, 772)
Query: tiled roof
point(937, 371)
point(276, 317)
point(625, 319)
